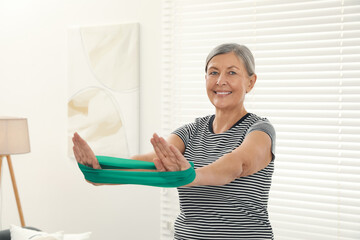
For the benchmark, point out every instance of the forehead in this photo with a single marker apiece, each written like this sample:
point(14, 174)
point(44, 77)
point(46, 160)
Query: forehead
point(226, 60)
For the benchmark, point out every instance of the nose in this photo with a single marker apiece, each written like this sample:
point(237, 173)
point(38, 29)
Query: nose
point(221, 80)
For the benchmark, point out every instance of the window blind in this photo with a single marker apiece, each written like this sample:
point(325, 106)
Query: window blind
point(307, 56)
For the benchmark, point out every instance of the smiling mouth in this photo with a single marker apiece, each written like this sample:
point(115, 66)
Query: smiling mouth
point(222, 93)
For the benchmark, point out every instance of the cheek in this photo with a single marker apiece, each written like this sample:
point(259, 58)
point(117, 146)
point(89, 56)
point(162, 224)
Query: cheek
point(208, 85)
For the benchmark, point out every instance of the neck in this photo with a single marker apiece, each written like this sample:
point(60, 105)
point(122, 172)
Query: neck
point(224, 120)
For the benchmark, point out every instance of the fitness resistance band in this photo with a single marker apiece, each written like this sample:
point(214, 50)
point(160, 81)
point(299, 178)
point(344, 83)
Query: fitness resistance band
point(110, 174)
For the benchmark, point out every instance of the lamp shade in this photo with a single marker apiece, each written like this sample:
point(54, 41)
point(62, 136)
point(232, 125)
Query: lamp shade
point(14, 136)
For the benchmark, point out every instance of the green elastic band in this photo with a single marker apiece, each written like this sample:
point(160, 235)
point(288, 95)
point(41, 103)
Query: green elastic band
point(109, 174)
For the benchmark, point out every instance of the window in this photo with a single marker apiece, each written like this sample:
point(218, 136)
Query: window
point(307, 56)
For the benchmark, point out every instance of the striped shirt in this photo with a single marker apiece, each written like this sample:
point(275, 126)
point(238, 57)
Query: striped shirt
point(237, 210)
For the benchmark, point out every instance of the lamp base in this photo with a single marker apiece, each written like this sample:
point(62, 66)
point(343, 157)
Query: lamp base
point(21, 215)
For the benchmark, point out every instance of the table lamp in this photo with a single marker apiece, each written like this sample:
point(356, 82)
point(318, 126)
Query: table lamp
point(14, 139)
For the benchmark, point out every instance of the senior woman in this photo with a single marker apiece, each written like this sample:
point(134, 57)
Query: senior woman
point(232, 151)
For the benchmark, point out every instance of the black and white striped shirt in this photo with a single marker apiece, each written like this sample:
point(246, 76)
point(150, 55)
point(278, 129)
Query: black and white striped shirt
point(237, 210)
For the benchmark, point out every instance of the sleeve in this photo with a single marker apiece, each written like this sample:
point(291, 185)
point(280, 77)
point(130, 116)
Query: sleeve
point(185, 132)
point(264, 125)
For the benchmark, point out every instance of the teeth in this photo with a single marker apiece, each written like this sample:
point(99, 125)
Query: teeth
point(222, 93)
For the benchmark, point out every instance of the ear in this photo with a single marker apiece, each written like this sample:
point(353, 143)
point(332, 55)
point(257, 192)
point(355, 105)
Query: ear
point(252, 81)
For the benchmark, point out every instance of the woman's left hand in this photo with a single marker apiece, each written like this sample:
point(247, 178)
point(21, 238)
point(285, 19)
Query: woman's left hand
point(169, 158)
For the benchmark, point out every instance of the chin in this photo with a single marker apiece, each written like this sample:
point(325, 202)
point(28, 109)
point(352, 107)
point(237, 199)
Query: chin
point(220, 106)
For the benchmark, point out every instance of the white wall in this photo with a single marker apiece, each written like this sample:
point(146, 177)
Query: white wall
point(33, 84)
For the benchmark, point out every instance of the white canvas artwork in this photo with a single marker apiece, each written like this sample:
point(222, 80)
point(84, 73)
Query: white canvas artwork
point(103, 90)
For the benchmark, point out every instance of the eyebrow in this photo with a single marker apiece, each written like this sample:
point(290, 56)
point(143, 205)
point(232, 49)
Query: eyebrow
point(232, 66)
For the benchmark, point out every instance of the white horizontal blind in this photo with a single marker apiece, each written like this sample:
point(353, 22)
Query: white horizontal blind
point(307, 56)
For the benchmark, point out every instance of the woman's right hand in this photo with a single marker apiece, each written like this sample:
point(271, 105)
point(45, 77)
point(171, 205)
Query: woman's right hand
point(83, 153)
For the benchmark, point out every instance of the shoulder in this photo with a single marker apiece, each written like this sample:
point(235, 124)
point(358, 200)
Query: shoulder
point(261, 124)
point(203, 120)
point(188, 130)
point(199, 122)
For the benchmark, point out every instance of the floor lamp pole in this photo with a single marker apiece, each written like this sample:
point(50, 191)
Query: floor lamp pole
point(21, 215)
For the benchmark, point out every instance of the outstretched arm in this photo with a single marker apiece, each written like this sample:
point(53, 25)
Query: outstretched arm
point(85, 156)
point(251, 156)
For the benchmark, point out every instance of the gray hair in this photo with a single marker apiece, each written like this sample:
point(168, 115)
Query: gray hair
point(241, 51)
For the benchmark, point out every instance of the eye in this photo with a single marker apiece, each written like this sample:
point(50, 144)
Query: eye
point(232, 73)
point(213, 73)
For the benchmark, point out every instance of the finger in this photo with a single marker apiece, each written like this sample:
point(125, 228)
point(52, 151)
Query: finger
point(155, 136)
point(74, 144)
point(96, 164)
point(155, 142)
point(161, 145)
point(80, 152)
point(81, 141)
point(89, 156)
point(76, 154)
point(161, 157)
point(166, 162)
point(159, 165)
point(86, 152)
point(157, 150)
point(171, 158)
point(79, 156)
point(76, 137)
point(166, 148)
point(183, 163)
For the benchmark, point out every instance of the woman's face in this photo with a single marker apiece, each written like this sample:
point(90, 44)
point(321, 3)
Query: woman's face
point(227, 81)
